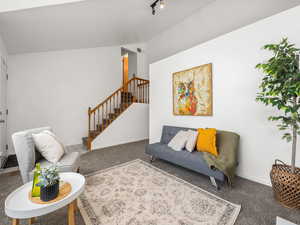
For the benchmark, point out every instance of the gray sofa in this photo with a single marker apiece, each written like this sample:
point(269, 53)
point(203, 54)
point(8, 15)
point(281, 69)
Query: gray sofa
point(193, 161)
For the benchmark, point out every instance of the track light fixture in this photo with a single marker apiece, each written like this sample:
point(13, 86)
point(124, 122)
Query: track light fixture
point(162, 5)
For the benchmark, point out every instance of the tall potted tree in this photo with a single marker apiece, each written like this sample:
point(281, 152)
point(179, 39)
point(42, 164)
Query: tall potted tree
point(280, 88)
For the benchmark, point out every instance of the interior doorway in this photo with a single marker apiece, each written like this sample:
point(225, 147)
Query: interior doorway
point(129, 63)
point(125, 70)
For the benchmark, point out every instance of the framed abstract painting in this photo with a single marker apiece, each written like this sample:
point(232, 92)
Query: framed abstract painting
point(192, 91)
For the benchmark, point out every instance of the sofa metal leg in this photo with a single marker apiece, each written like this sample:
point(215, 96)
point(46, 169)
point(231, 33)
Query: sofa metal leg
point(214, 183)
point(152, 159)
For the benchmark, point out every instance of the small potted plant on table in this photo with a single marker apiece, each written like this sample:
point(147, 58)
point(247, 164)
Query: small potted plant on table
point(49, 183)
point(280, 88)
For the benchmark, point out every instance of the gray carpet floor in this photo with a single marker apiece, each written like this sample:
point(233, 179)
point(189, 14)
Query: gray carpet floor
point(258, 204)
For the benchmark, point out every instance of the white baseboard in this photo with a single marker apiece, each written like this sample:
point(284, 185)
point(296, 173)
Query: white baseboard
point(281, 221)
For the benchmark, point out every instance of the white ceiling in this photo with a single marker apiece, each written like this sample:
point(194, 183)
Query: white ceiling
point(12, 5)
point(90, 23)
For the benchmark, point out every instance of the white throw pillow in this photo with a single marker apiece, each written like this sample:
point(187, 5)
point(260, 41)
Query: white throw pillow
point(179, 140)
point(48, 145)
point(192, 140)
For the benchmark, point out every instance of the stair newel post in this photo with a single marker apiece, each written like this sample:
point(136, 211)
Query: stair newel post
point(89, 112)
point(89, 140)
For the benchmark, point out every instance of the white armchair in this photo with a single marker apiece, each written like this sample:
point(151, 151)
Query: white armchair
point(27, 157)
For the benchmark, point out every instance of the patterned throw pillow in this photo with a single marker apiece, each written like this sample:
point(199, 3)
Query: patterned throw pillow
point(178, 142)
point(192, 140)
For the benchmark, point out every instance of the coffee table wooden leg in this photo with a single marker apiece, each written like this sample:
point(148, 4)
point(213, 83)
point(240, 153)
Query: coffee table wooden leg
point(76, 205)
point(71, 213)
point(15, 221)
point(31, 221)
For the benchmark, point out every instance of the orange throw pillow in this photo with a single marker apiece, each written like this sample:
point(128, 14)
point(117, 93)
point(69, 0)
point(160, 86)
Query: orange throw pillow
point(207, 141)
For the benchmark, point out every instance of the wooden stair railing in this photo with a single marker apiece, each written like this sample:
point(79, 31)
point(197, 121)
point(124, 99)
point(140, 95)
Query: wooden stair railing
point(136, 90)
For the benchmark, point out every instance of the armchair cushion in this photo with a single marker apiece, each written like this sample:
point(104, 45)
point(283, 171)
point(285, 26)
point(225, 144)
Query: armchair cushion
point(68, 163)
point(25, 150)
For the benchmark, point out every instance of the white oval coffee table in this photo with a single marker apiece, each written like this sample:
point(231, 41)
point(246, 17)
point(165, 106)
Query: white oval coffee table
point(18, 206)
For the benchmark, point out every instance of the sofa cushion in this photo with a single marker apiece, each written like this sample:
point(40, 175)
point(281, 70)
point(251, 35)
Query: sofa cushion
point(193, 161)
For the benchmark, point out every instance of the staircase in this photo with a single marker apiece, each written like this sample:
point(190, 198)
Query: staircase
point(136, 90)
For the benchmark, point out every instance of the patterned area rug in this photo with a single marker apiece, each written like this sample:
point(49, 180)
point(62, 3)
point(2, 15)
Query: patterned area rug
point(137, 193)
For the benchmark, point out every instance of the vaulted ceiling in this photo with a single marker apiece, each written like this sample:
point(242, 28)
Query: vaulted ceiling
point(13, 5)
point(90, 23)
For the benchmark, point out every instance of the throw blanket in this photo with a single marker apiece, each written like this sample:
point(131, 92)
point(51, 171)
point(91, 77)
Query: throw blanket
point(226, 161)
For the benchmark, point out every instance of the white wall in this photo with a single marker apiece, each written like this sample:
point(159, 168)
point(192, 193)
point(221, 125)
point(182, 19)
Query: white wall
point(132, 64)
point(3, 50)
point(56, 88)
point(235, 84)
point(130, 126)
point(215, 19)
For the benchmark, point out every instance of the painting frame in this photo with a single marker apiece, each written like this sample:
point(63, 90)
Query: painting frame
point(209, 73)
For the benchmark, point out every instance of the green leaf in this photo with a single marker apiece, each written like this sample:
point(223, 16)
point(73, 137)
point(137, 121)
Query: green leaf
point(280, 85)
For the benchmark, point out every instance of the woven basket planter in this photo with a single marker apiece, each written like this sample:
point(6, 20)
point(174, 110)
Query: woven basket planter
point(286, 185)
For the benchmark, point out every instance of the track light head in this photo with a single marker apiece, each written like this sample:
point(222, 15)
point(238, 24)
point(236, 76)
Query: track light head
point(162, 5)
